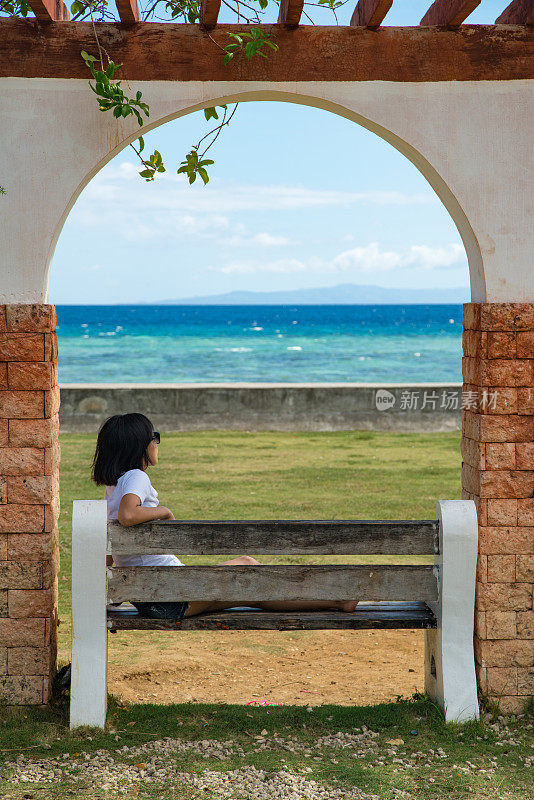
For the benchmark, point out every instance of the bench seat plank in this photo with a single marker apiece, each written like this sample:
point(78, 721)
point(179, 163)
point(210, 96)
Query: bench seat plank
point(367, 616)
point(325, 537)
point(244, 584)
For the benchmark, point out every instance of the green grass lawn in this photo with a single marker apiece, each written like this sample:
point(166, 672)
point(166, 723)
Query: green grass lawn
point(396, 750)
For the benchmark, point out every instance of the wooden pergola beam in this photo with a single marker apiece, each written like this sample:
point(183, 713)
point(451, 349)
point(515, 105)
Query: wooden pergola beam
point(519, 12)
point(128, 11)
point(450, 13)
point(370, 13)
point(209, 13)
point(290, 12)
point(175, 52)
point(49, 10)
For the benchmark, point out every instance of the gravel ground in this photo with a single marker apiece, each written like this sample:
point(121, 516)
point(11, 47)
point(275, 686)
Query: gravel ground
point(121, 770)
point(125, 768)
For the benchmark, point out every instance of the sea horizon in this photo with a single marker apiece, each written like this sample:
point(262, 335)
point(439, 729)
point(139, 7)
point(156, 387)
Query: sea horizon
point(286, 343)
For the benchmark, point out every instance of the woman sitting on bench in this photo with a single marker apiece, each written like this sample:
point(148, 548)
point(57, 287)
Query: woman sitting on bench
point(127, 445)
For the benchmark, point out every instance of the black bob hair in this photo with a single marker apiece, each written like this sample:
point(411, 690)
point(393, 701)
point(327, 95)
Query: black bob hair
point(121, 445)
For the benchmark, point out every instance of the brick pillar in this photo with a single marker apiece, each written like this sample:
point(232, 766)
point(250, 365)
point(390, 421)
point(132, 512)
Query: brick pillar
point(29, 502)
point(498, 474)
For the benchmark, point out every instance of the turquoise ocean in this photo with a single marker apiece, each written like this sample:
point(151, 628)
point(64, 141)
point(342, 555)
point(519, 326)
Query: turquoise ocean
point(262, 343)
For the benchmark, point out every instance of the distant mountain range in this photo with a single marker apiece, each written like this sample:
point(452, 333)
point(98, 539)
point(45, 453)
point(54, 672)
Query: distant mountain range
point(343, 294)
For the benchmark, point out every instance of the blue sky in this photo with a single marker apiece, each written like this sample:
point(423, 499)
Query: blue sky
point(298, 197)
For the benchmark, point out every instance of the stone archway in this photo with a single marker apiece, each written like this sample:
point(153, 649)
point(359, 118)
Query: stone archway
point(411, 117)
point(483, 186)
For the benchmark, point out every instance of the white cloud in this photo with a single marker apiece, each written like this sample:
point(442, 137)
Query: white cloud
point(118, 188)
point(437, 257)
point(216, 222)
point(365, 259)
point(170, 210)
point(259, 239)
point(372, 259)
point(359, 260)
point(267, 240)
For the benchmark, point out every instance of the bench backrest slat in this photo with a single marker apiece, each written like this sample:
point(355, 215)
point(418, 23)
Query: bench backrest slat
point(244, 584)
point(288, 537)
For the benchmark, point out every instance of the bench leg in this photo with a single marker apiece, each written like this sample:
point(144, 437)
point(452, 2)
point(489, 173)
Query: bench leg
point(88, 695)
point(450, 677)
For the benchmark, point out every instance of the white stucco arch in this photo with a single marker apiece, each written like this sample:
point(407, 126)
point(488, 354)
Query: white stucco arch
point(469, 139)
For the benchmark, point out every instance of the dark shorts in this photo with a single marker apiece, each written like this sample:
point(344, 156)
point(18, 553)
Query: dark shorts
point(162, 610)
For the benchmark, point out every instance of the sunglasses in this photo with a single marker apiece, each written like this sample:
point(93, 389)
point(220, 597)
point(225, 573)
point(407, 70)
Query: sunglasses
point(156, 437)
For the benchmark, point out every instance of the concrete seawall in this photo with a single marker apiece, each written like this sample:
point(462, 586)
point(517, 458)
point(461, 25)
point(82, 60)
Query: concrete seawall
point(398, 407)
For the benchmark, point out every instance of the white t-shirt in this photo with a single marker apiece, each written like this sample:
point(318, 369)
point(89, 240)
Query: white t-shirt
point(136, 481)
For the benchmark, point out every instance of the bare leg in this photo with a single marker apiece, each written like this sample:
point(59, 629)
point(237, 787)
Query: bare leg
point(199, 606)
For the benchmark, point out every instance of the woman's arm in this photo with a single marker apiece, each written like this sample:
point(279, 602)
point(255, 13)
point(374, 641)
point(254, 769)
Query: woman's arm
point(131, 512)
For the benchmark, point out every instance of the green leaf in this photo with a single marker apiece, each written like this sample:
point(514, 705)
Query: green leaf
point(203, 174)
point(141, 144)
point(146, 173)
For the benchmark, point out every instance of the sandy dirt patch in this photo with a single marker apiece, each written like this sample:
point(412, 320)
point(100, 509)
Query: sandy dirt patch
point(302, 668)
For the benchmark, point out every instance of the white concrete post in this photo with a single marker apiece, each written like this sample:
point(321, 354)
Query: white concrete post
point(88, 694)
point(450, 677)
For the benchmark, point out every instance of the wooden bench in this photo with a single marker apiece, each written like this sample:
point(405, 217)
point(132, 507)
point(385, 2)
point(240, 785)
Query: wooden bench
point(438, 597)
